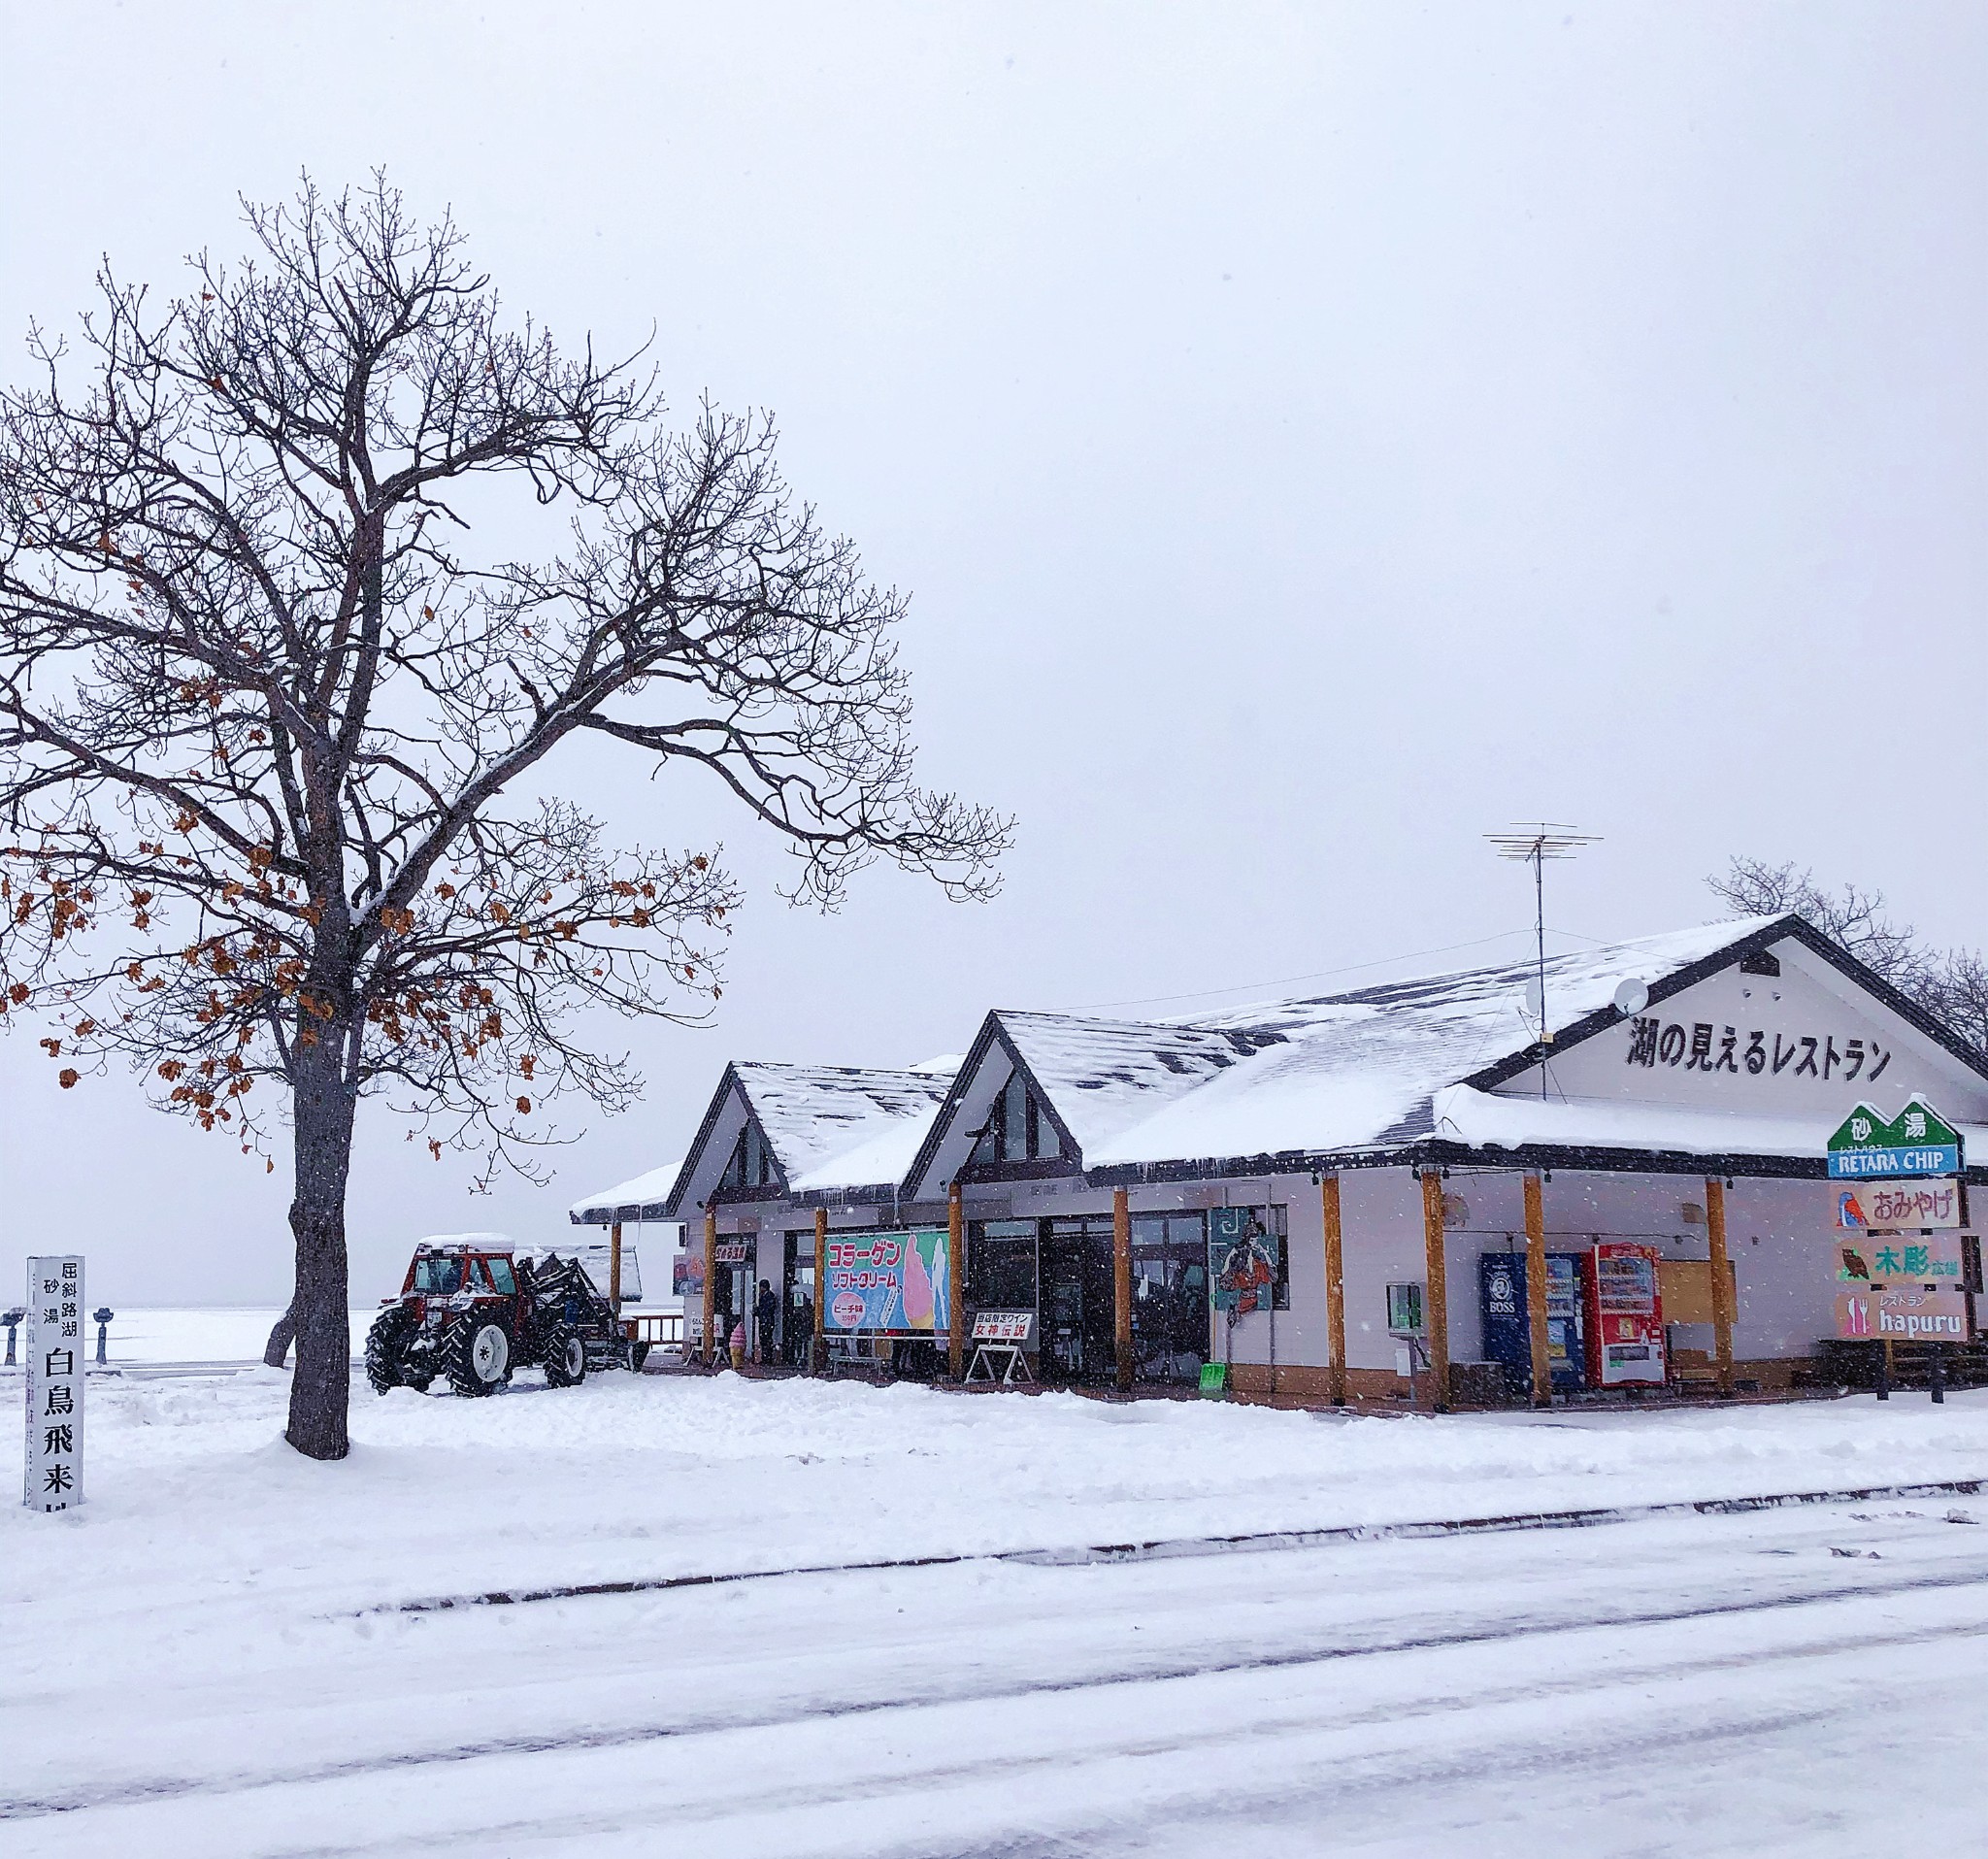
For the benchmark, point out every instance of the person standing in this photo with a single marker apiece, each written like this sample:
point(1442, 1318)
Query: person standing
point(766, 1313)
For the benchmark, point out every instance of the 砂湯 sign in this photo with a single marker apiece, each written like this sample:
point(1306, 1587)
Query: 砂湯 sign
point(1917, 1142)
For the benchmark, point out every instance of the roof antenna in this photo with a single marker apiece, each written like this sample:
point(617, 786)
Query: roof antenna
point(1534, 843)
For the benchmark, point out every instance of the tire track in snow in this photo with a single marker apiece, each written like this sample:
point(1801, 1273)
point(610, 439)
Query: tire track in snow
point(168, 1788)
point(1169, 1548)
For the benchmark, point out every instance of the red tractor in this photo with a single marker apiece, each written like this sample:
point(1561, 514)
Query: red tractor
point(471, 1312)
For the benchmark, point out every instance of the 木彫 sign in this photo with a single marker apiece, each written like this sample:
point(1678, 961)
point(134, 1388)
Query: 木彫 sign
point(55, 1352)
point(889, 1284)
point(1916, 1141)
point(1895, 1258)
point(1895, 1207)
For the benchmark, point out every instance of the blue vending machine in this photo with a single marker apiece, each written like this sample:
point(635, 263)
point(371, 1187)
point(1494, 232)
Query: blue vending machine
point(1502, 1288)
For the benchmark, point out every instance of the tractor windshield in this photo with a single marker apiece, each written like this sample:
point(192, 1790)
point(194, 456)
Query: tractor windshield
point(437, 1277)
point(500, 1275)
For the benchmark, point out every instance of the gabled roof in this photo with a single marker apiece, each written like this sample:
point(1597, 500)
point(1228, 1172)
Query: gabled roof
point(828, 1126)
point(1362, 1068)
point(833, 1126)
point(1373, 1069)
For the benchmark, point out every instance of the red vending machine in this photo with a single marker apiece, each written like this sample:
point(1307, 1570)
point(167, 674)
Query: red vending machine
point(1625, 1315)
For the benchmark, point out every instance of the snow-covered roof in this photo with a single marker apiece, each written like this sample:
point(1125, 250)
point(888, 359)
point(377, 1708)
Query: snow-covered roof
point(1360, 1068)
point(836, 1126)
point(642, 1199)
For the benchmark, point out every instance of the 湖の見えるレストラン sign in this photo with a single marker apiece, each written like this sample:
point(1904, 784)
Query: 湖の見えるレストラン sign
point(1916, 1141)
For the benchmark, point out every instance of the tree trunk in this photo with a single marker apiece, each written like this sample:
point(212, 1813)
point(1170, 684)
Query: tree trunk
point(280, 1336)
point(321, 1389)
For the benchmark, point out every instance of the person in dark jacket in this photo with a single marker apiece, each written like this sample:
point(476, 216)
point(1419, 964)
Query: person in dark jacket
point(766, 1313)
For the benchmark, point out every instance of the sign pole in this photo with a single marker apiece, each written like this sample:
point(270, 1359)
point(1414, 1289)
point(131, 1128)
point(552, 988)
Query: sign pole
point(56, 1368)
point(615, 1268)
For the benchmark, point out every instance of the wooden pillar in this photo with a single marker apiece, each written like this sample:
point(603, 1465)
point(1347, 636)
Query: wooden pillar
point(956, 1282)
point(817, 1348)
point(1536, 1292)
point(1722, 1283)
point(710, 1285)
point(1436, 1291)
point(1334, 1293)
point(1121, 1280)
point(614, 1266)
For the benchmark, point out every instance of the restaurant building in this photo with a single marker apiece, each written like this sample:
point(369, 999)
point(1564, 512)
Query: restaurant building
point(1424, 1193)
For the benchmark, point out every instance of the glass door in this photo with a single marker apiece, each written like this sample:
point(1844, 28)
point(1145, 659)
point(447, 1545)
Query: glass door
point(1170, 1326)
point(1077, 1339)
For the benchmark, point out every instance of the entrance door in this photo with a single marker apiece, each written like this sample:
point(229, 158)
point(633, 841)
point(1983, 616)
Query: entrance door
point(797, 1300)
point(1169, 1327)
point(1078, 1343)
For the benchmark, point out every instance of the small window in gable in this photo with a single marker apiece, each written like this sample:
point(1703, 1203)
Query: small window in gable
point(1017, 1128)
point(752, 1161)
point(1764, 962)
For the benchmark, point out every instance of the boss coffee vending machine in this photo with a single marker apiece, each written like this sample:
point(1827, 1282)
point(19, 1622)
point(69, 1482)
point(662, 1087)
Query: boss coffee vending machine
point(1625, 1315)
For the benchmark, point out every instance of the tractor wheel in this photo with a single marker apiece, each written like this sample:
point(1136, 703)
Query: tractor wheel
point(565, 1358)
point(476, 1356)
point(385, 1350)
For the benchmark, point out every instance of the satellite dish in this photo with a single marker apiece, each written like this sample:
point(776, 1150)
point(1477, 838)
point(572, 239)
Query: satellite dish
point(1632, 996)
point(1536, 999)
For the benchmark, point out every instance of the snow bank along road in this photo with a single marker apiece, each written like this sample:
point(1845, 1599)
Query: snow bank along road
point(214, 1656)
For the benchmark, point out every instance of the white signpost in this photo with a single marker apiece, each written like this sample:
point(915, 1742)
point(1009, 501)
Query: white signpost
point(55, 1352)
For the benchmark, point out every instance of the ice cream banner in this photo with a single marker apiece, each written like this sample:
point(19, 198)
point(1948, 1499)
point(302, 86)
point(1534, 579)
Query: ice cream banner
point(889, 1284)
point(1889, 1207)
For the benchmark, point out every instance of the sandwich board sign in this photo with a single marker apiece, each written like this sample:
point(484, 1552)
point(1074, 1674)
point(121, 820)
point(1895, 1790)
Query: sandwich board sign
point(1917, 1142)
point(55, 1352)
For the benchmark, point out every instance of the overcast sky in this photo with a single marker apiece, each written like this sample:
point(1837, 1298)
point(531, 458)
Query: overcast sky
point(1312, 437)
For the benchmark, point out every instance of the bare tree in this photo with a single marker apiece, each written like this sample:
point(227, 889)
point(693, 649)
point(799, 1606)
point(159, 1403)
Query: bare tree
point(1951, 984)
point(1853, 917)
point(270, 741)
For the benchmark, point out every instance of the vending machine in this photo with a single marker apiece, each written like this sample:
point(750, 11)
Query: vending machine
point(1507, 1330)
point(1625, 1315)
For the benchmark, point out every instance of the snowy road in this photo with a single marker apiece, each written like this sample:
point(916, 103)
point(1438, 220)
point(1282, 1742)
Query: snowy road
point(1801, 1680)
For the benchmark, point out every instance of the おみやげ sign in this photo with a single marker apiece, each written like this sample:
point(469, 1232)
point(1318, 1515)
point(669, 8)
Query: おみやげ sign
point(1891, 1206)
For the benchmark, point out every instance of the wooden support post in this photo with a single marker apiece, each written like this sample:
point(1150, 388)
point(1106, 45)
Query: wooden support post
point(1722, 1283)
point(614, 1266)
point(1536, 1292)
point(711, 1286)
point(1334, 1293)
point(1437, 1291)
point(956, 1282)
point(1121, 1280)
point(817, 1348)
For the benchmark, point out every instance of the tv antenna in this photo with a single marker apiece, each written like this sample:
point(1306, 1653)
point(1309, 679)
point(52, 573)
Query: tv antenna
point(1534, 843)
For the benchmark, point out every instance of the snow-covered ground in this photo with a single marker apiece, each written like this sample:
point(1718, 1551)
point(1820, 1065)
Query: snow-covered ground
point(215, 1655)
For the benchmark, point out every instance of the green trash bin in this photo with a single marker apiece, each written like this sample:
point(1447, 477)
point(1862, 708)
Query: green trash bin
point(1214, 1380)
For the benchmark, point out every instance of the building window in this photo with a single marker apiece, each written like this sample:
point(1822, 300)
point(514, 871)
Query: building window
point(1017, 1128)
point(752, 1161)
point(1000, 1265)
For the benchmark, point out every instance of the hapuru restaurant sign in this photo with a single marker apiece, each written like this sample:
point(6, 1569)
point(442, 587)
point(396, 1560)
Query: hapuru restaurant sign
point(1918, 1141)
point(889, 1284)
